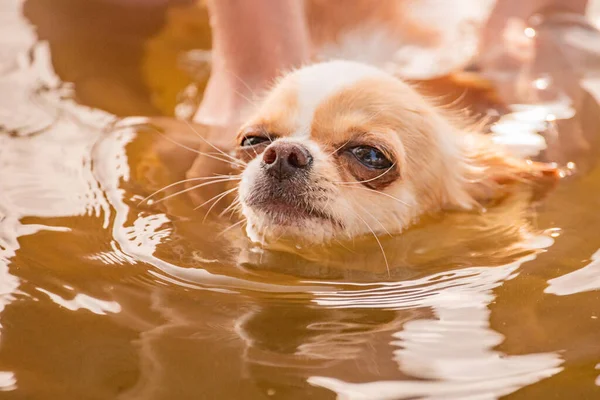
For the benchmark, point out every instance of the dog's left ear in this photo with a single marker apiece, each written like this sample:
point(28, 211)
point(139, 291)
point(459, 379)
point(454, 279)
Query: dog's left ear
point(492, 173)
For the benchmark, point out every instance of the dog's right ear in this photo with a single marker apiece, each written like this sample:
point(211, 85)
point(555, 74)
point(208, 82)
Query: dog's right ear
point(492, 173)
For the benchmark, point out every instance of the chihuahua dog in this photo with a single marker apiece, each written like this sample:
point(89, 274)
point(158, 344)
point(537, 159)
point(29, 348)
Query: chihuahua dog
point(341, 149)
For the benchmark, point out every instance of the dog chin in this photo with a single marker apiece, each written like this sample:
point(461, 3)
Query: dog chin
point(275, 226)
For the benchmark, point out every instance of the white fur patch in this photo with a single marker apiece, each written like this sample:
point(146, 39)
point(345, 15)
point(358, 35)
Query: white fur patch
point(318, 82)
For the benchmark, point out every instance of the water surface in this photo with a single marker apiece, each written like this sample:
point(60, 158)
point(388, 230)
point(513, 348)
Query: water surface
point(103, 296)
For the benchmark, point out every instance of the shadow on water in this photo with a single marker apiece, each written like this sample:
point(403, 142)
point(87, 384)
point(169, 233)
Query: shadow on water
point(103, 295)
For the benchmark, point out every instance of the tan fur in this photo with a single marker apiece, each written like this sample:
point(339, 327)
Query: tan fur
point(276, 112)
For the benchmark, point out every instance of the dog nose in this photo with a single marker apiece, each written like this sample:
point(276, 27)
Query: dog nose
point(282, 160)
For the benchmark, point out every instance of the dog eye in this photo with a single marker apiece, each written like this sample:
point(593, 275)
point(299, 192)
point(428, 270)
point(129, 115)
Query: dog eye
point(253, 140)
point(371, 157)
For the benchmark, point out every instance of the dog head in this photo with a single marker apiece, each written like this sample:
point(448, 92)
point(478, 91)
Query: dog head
point(341, 149)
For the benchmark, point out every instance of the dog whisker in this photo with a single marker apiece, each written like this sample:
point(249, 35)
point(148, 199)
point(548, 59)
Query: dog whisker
point(237, 202)
point(367, 180)
point(194, 188)
point(387, 265)
point(216, 199)
point(243, 96)
point(339, 147)
point(243, 82)
point(376, 220)
point(230, 160)
point(224, 160)
point(230, 227)
point(179, 183)
point(229, 156)
point(380, 193)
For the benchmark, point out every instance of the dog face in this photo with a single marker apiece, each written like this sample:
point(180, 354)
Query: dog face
point(341, 149)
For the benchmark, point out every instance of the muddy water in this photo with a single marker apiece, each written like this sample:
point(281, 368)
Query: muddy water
point(104, 296)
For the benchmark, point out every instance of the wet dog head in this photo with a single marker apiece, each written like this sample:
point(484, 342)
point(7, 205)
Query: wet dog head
point(341, 149)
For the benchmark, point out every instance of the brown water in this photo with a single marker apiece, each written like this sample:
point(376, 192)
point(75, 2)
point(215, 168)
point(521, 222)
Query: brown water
point(102, 297)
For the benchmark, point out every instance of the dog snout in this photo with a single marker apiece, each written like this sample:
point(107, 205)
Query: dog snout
point(283, 160)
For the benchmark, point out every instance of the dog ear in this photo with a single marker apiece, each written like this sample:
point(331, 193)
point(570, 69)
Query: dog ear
point(492, 173)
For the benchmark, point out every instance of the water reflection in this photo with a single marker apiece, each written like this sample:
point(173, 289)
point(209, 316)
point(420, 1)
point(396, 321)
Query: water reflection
point(7, 381)
point(450, 354)
point(582, 280)
point(40, 179)
point(82, 301)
